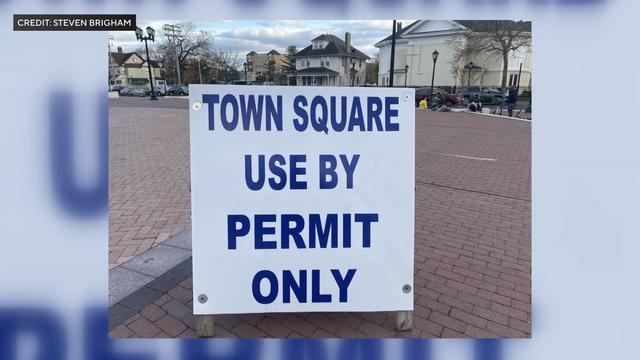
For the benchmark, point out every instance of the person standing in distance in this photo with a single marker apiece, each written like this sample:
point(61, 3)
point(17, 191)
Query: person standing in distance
point(511, 100)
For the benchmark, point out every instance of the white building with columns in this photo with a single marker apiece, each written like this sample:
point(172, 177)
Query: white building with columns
point(414, 65)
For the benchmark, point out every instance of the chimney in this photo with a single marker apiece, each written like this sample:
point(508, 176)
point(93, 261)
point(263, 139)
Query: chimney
point(399, 26)
point(119, 49)
point(347, 41)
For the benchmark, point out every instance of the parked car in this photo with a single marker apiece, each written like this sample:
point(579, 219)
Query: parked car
point(238, 82)
point(177, 90)
point(157, 91)
point(485, 94)
point(129, 91)
point(425, 93)
point(117, 88)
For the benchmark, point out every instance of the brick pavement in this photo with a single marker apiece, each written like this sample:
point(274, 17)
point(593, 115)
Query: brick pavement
point(473, 245)
point(149, 179)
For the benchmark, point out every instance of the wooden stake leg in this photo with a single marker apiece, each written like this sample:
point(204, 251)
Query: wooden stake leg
point(404, 320)
point(205, 326)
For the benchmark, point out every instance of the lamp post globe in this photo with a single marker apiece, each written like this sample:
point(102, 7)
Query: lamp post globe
point(406, 71)
point(151, 32)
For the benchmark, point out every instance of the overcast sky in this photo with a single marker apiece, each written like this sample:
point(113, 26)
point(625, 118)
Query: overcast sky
point(263, 35)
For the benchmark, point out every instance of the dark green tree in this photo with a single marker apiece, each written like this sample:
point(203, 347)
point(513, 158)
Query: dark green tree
point(289, 65)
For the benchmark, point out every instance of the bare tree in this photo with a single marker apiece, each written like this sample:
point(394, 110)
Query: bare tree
point(500, 37)
point(372, 69)
point(227, 62)
point(186, 43)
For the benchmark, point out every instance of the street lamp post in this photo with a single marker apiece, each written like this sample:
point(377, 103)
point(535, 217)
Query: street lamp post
point(406, 71)
point(151, 34)
point(434, 56)
point(245, 72)
point(470, 66)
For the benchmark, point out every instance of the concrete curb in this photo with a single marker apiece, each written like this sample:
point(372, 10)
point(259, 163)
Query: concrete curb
point(498, 116)
point(133, 275)
point(135, 302)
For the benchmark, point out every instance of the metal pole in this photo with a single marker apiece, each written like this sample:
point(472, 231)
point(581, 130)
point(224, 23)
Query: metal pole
point(110, 64)
point(393, 54)
point(153, 95)
point(199, 71)
point(519, 73)
point(433, 74)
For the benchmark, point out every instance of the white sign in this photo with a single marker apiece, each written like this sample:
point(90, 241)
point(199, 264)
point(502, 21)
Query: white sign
point(302, 198)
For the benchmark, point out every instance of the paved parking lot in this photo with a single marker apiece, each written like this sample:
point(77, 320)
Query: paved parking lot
point(473, 229)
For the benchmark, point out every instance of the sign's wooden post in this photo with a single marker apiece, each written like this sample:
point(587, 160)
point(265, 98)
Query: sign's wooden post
point(205, 326)
point(404, 320)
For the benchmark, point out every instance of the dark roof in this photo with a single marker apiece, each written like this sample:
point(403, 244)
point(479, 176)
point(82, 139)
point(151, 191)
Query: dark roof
point(317, 70)
point(336, 46)
point(322, 37)
point(251, 53)
point(120, 57)
point(273, 52)
point(153, 63)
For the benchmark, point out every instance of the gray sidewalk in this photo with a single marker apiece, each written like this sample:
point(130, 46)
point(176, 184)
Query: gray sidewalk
point(149, 266)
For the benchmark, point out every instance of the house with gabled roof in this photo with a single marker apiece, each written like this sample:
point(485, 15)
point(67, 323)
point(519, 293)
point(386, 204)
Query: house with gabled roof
point(330, 61)
point(414, 63)
point(130, 69)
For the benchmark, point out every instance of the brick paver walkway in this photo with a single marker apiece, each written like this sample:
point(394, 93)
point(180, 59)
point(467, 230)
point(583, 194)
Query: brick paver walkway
point(149, 179)
point(473, 233)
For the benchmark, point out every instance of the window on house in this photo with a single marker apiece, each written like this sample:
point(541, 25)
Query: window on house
point(326, 62)
point(321, 61)
point(308, 63)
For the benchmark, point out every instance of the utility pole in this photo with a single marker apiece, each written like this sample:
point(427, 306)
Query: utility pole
point(172, 32)
point(393, 53)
